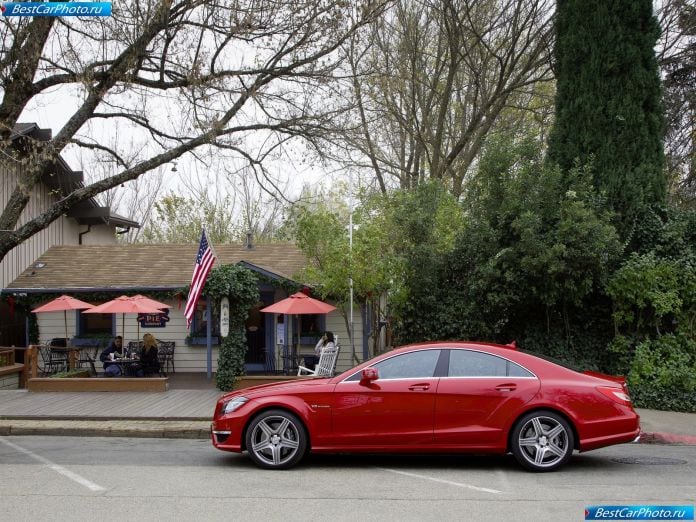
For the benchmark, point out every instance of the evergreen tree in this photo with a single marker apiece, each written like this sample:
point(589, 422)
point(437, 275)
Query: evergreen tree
point(608, 101)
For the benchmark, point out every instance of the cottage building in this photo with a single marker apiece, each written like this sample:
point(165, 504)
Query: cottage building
point(97, 273)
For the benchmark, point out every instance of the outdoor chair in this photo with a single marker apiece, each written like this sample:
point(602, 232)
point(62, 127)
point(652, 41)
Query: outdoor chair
point(288, 355)
point(326, 365)
point(165, 353)
point(134, 347)
point(88, 356)
point(49, 362)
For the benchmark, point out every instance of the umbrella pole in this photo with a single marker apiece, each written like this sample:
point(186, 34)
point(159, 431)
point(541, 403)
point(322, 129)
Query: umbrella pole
point(68, 355)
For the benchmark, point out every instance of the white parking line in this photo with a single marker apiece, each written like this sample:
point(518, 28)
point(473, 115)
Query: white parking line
point(55, 467)
point(449, 482)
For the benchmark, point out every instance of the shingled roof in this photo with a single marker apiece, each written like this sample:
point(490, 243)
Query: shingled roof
point(142, 267)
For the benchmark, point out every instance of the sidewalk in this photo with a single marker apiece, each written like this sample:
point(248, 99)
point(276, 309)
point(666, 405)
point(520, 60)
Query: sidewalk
point(186, 413)
point(667, 427)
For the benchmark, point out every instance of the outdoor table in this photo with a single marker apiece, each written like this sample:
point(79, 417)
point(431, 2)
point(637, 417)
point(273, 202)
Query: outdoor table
point(125, 364)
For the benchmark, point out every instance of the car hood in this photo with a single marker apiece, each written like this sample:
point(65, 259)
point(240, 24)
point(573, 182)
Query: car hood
point(280, 387)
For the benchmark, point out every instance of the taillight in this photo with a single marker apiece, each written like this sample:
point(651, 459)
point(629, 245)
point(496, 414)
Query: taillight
point(615, 394)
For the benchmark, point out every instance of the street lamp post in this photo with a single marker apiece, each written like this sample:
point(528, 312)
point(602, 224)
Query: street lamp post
point(350, 272)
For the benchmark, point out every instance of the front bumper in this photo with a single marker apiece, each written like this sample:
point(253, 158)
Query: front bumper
point(222, 435)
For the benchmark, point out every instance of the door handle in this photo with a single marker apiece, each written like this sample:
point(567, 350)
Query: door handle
point(419, 387)
point(506, 387)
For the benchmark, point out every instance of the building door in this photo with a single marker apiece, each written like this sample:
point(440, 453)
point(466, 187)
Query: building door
point(12, 326)
point(257, 340)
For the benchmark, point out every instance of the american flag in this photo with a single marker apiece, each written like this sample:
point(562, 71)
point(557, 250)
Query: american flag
point(204, 262)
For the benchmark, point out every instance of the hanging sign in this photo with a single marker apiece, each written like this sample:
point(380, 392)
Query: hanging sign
point(154, 320)
point(225, 317)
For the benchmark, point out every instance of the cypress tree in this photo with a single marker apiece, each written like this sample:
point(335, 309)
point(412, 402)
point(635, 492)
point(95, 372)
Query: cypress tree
point(608, 100)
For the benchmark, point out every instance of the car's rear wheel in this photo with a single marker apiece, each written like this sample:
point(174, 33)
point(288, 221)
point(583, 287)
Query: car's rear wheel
point(276, 439)
point(542, 441)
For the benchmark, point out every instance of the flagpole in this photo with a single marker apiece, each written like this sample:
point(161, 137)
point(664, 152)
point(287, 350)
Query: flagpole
point(209, 335)
point(209, 320)
point(205, 260)
point(210, 244)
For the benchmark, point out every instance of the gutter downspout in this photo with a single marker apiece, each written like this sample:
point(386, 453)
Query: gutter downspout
point(89, 229)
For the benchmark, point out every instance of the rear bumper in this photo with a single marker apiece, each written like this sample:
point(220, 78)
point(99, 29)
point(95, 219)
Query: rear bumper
point(618, 430)
point(609, 440)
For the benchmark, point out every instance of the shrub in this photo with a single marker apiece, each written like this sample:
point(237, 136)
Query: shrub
point(75, 372)
point(663, 374)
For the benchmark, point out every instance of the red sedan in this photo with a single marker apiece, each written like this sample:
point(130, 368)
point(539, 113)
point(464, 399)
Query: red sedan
point(440, 397)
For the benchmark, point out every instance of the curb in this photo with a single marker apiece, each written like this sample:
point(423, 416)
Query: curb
point(667, 438)
point(113, 428)
point(193, 430)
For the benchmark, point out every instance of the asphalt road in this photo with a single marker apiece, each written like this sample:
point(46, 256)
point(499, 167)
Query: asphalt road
point(103, 479)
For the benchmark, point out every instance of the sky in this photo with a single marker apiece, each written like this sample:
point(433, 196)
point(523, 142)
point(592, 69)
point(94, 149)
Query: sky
point(53, 108)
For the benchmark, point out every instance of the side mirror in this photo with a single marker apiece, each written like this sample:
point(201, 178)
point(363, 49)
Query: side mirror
point(369, 374)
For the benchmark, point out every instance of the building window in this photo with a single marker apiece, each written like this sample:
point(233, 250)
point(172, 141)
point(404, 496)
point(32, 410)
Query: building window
point(311, 325)
point(200, 320)
point(94, 324)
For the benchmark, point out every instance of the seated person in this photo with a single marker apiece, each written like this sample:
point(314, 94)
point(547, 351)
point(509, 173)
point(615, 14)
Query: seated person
point(326, 340)
point(111, 369)
point(149, 360)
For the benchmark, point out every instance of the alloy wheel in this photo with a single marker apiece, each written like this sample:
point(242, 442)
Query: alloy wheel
point(276, 440)
point(543, 442)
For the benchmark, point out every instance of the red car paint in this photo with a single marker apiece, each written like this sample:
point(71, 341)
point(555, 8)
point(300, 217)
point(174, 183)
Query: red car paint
point(454, 405)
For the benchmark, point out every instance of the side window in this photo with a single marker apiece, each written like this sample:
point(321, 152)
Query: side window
point(468, 363)
point(409, 365)
point(413, 365)
point(515, 370)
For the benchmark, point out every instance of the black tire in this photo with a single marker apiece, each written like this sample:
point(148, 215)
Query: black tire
point(542, 441)
point(276, 439)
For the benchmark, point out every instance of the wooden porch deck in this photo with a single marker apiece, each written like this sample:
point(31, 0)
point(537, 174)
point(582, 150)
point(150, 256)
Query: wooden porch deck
point(190, 397)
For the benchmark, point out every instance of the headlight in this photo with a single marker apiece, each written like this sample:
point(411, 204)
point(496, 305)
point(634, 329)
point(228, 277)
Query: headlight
point(233, 404)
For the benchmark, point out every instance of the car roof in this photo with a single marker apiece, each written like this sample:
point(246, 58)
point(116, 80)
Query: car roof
point(537, 365)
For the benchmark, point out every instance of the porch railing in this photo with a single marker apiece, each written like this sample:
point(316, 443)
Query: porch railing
point(7, 356)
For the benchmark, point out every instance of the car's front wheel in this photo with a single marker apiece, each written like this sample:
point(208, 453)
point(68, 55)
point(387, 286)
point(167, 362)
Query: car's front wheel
point(542, 441)
point(276, 439)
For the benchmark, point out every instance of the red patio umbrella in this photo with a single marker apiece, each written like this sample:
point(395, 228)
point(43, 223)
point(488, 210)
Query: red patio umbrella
point(63, 304)
point(299, 304)
point(124, 305)
point(149, 302)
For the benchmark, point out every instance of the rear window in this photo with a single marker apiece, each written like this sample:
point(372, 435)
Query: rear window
point(470, 363)
point(559, 362)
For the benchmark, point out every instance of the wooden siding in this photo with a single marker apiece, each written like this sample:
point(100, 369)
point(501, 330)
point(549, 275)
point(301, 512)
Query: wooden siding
point(193, 358)
point(63, 231)
point(20, 257)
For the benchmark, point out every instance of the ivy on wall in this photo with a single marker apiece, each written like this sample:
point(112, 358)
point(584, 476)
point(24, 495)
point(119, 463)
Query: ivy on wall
point(240, 286)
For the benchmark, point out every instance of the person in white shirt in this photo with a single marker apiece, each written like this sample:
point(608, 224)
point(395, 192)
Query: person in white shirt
point(327, 340)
